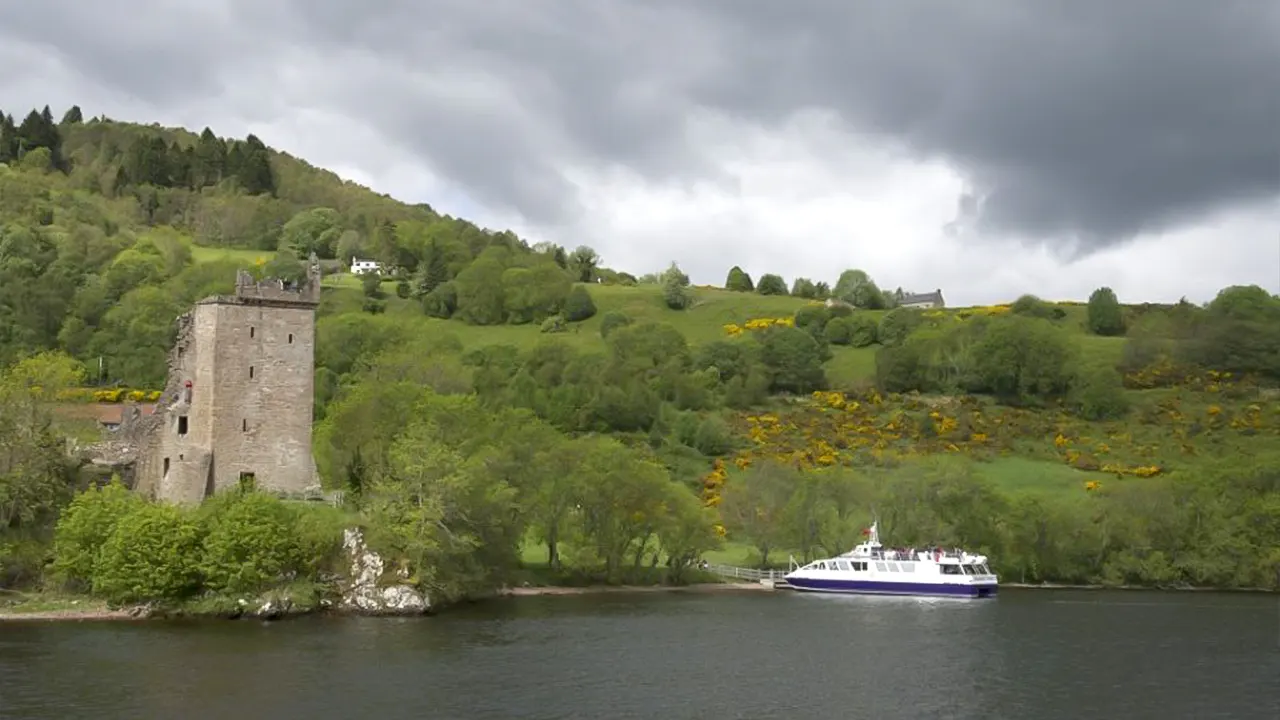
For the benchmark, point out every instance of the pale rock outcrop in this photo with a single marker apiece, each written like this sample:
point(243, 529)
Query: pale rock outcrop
point(366, 593)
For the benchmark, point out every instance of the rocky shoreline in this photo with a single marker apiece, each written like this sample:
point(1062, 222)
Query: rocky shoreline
point(269, 611)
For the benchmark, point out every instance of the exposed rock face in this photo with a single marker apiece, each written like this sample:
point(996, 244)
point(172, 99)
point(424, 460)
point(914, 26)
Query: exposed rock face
point(274, 609)
point(367, 592)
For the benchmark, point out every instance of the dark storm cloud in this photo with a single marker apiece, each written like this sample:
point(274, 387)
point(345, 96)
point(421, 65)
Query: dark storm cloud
point(144, 48)
point(1088, 120)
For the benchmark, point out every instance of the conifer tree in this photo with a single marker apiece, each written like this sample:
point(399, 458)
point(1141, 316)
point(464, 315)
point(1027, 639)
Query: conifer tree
point(209, 165)
point(8, 139)
point(254, 172)
point(434, 270)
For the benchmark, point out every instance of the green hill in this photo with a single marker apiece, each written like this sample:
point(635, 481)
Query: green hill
point(1077, 442)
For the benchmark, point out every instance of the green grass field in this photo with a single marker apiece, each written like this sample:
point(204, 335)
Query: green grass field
point(1016, 476)
point(248, 257)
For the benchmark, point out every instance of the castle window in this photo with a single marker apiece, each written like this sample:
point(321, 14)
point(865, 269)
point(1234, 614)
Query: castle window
point(251, 328)
point(290, 338)
point(248, 481)
point(250, 372)
point(182, 424)
point(166, 467)
point(244, 425)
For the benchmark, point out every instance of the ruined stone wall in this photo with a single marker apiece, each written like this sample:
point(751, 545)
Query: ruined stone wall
point(145, 434)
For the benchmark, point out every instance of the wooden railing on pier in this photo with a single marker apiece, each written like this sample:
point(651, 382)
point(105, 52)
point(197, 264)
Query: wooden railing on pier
point(748, 574)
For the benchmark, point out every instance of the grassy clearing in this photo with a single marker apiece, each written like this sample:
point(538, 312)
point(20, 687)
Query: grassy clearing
point(700, 324)
point(203, 254)
point(848, 367)
point(1016, 476)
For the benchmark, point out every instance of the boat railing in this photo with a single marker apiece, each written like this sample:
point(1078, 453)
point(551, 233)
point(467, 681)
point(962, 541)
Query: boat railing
point(913, 554)
point(742, 573)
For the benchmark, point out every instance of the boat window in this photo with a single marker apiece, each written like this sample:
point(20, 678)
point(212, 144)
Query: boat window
point(822, 566)
point(950, 569)
point(842, 564)
point(880, 567)
point(860, 566)
point(893, 567)
point(908, 567)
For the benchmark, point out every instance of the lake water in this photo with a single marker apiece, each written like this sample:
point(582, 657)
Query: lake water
point(1028, 654)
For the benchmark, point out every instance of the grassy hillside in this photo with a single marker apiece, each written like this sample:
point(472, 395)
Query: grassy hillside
point(703, 322)
point(511, 382)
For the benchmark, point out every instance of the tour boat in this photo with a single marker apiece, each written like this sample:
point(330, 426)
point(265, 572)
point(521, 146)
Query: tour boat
point(871, 569)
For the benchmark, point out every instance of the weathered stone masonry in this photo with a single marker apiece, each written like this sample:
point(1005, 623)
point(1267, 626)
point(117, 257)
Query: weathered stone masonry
point(238, 401)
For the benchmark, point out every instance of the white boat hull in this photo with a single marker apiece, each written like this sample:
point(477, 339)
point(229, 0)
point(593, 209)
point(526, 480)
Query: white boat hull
point(883, 587)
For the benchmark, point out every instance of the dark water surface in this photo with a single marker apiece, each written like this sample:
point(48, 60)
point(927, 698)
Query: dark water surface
point(1028, 654)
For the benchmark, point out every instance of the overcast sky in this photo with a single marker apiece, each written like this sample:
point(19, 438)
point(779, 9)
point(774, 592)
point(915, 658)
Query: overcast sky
point(989, 148)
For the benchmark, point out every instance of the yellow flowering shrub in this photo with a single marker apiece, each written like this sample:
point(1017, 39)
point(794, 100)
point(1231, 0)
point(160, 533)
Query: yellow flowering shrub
point(112, 395)
point(863, 427)
point(713, 482)
point(1136, 471)
point(733, 329)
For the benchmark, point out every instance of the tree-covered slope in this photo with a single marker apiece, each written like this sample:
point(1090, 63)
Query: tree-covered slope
point(617, 425)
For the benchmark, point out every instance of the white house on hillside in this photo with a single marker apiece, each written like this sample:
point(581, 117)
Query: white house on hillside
point(360, 267)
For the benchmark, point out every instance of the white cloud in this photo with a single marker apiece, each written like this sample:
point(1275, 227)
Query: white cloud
point(811, 201)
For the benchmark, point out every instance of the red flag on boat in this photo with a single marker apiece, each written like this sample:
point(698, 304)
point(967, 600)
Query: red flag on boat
point(866, 531)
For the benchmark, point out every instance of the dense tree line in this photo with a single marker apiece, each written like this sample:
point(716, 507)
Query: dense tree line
point(36, 132)
point(853, 288)
point(1027, 356)
point(1218, 528)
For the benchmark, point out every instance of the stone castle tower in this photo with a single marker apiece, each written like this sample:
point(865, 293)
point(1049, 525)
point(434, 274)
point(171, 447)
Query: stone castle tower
point(237, 406)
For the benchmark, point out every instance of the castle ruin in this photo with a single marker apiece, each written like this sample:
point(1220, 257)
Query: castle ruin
point(237, 406)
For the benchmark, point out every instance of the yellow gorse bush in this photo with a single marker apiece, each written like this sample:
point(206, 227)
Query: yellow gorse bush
point(845, 428)
point(733, 329)
point(113, 395)
point(712, 483)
